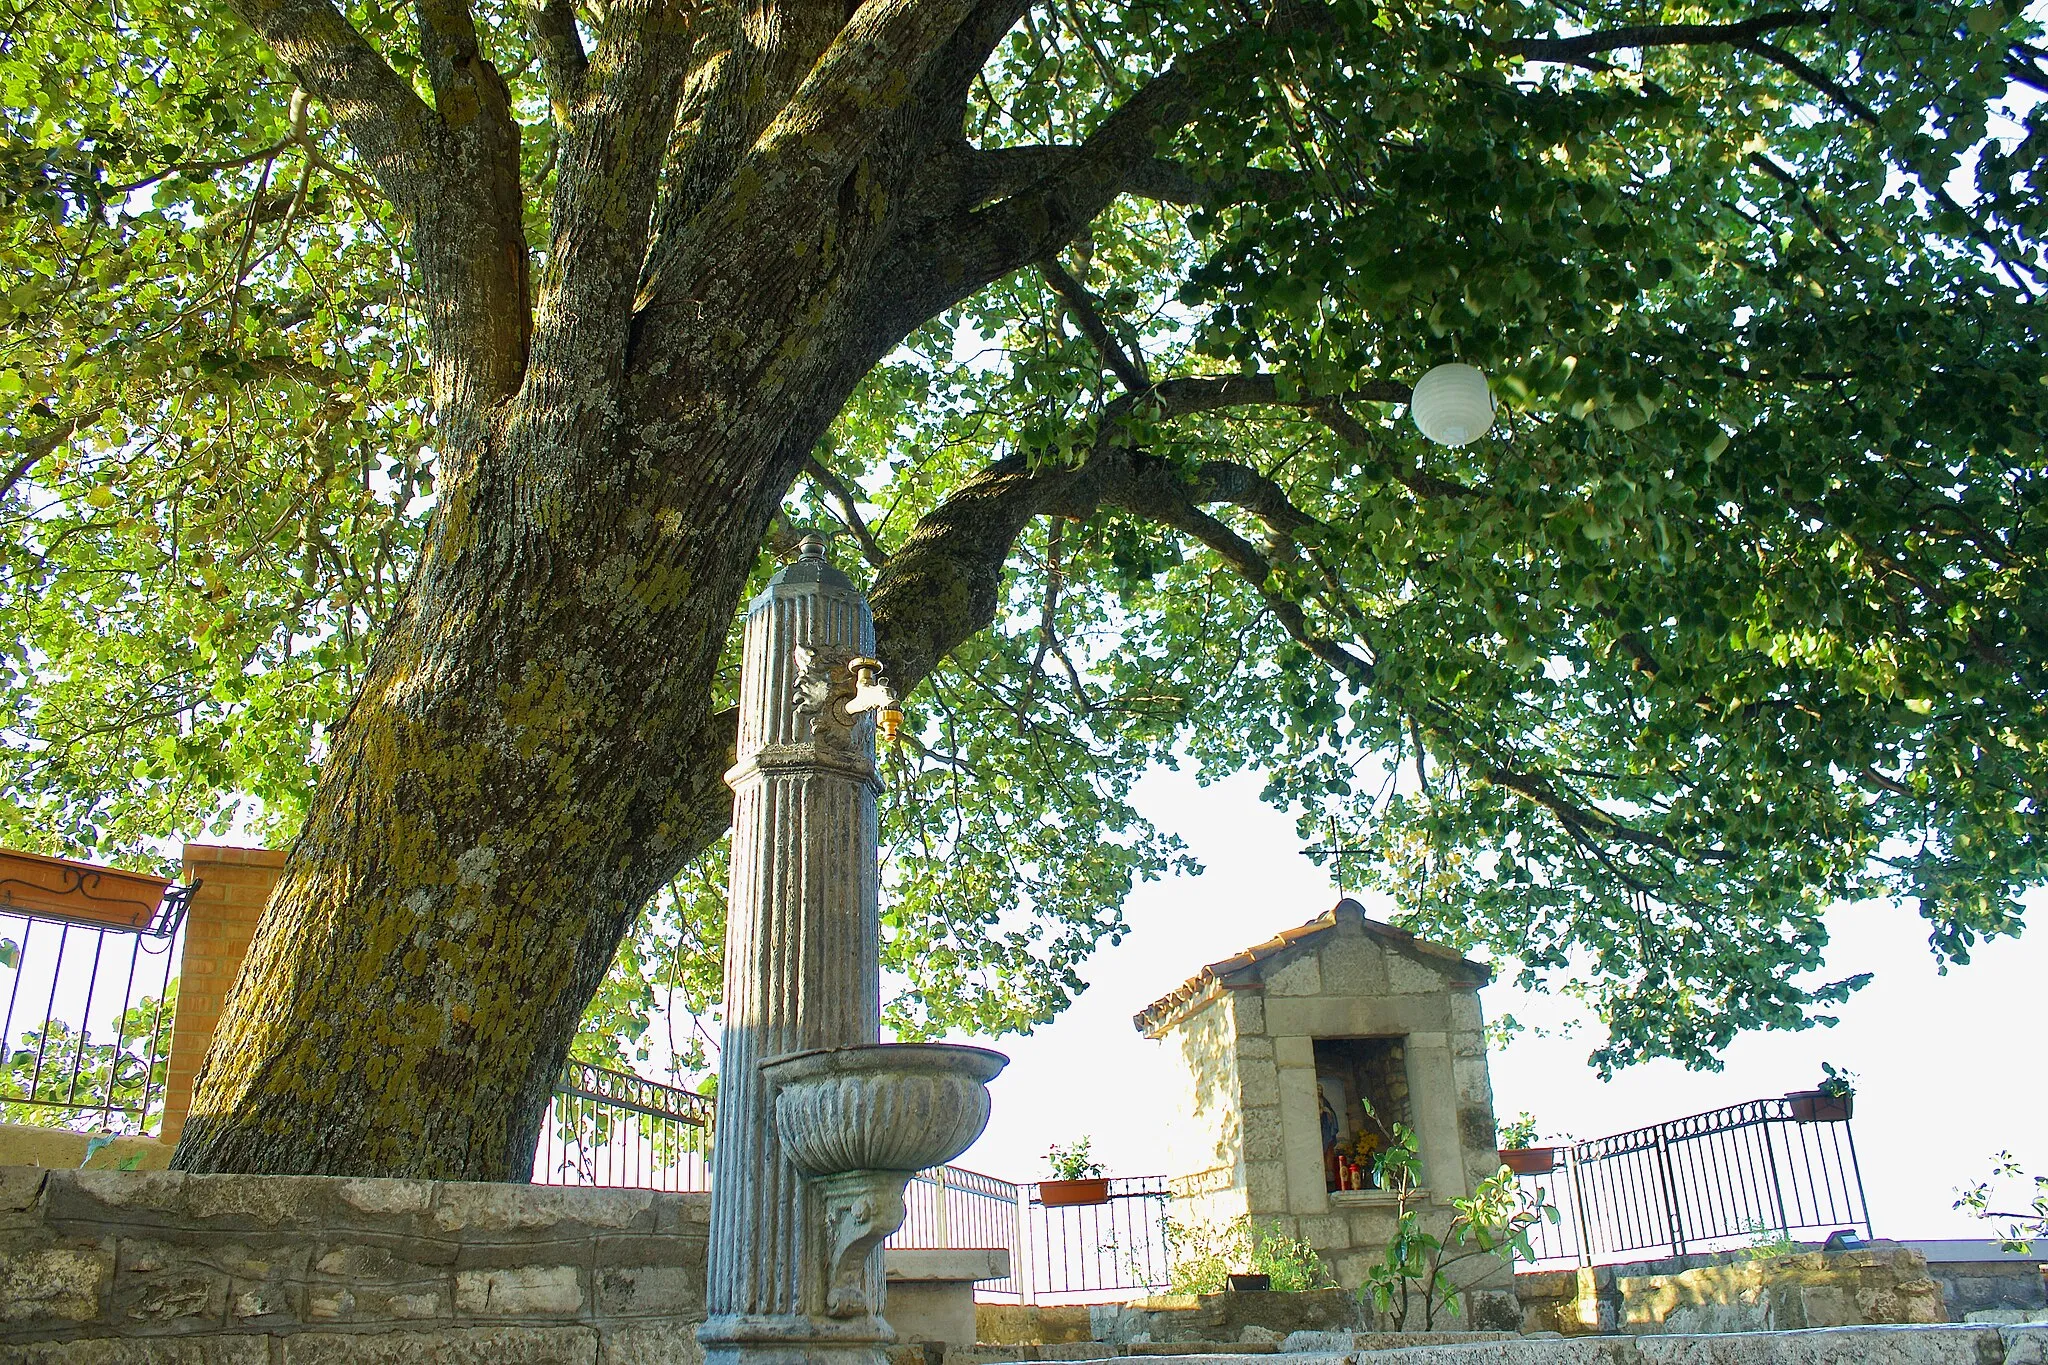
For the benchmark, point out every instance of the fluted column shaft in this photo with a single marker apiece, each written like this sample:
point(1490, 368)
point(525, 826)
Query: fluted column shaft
point(802, 962)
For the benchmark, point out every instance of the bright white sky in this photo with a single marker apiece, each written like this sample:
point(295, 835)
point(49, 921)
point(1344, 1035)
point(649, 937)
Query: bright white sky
point(1949, 1067)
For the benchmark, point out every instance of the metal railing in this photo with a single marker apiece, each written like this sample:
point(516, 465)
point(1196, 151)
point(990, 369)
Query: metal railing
point(1063, 1253)
point(607, 1127)
point(86, 1031)
point(950, 1206)
point(613, 1128)
point(1075, 1253)
point(1716, 1181)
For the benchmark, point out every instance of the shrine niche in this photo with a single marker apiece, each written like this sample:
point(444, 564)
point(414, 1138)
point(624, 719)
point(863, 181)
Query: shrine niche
point(1299, 1055)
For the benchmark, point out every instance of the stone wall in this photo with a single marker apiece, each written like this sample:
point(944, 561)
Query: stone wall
point(1203, 1137)
point(23, 1144)
point(107, 1268)
point(1873, 1286)
point(1976, 1277)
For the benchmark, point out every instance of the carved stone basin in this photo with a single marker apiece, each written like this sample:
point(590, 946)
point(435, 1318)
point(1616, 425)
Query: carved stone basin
point(881, 1106)
point(860, 1121)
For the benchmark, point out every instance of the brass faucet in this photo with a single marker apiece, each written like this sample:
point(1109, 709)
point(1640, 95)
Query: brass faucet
point(871, 692)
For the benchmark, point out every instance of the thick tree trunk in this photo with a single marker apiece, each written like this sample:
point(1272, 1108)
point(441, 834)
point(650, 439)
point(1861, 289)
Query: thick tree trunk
point(533, 752)
point(523, 768)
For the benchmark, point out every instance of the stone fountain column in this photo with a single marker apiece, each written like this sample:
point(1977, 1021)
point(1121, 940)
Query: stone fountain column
point(802, 965)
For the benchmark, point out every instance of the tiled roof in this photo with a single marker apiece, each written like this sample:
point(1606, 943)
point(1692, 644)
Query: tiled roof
point(1241, 970)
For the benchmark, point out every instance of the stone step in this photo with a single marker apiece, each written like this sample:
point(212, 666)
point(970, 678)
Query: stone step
point(1931, 1344)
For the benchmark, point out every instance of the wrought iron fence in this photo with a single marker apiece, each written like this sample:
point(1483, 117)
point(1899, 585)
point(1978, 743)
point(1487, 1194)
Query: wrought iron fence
point(608, 1127)
point(86, 1032)
point(1075, 1253)
point(1057, 1254)
point(1716, 1181)
point(950, 1206)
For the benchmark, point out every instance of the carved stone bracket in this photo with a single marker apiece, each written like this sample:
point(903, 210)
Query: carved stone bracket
point(862, 1208)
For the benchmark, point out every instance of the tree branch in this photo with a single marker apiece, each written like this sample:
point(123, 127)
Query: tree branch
point(390, 127)
point(1576, 50)
point(862, 76)
point(1081, 307)
point(1784, 176)
point(849, 514)
point(40, 447)
point(962, 254)
point(454, 180)
point(563, 65)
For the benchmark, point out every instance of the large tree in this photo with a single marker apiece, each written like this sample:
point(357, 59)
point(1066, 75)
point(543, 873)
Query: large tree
point(412, 398)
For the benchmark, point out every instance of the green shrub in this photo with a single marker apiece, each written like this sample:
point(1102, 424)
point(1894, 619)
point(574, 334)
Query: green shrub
point(1202, 1256)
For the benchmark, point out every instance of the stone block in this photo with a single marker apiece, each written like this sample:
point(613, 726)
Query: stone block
point(1927, 1345)
point(1300, 976)
point(385, 1198)
point(668, 1343)
point(2025, 1345)
point(517, 1290)
point(1265, 1184)
point(53, 1283)
point(946, 1264)
point(329, 1303)
point(362, 1263)
point(634, 1249)
point(1262, 1134)
point(937, 1311)
point(1326, 1231)
point(114, 1196)
point(653, 1290)
point(20, 1187)
point(1248, 1012)
point(1294, 1050)
point(534, 1345)
point(1466, 1014)
point(251, 1303)
point(1258, 1047)
point(240, 1350)
point(484, 1207)
point(185, 1298)
point(1258, 1084)
point(1406, 976)
point(1371, 1224)
point(262, 1201)
point(1352, 966)
point(1474, 1086)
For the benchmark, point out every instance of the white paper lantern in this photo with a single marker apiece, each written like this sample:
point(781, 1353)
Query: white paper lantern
point(1452, 405)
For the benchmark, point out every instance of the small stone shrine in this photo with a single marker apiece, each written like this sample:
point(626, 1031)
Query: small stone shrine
point(1299, 1055)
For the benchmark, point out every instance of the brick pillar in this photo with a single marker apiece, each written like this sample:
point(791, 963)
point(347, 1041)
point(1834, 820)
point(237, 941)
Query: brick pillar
point(218, 927)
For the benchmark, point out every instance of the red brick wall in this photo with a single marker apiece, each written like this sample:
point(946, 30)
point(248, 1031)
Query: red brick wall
point(218, 927)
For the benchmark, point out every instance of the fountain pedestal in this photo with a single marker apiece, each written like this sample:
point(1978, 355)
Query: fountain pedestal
point(815, 1117)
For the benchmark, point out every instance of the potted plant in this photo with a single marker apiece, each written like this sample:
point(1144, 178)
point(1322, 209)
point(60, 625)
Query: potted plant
point(1518, 1149)
point(1832, 1101)
point(1077, 1177)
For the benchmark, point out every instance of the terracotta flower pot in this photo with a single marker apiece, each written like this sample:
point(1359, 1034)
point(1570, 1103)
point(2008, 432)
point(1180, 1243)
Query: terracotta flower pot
point(85, 893)
point(1818, 1106)
point(1058, 1194)
point(1529, 1160)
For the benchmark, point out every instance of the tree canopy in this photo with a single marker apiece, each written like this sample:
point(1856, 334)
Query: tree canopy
point(1090, 325)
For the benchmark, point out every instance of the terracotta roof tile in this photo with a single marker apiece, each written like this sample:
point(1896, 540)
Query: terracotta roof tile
point(1235, 972)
